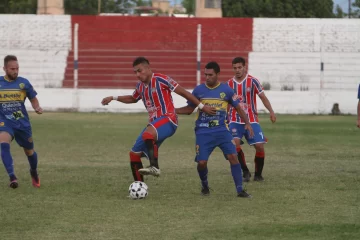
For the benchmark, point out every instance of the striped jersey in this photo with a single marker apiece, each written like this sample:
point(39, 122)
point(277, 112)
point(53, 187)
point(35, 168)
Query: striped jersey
point(246, 90)
point(156, 96)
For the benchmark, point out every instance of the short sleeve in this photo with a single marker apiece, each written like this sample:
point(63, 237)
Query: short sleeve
point(233, 98)
point(136, 95)
point(257, 86)
point(30, 92)
point(167, 81)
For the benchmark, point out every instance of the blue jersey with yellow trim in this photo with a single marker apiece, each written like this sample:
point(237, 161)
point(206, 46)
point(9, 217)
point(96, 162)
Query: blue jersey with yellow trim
point(218, 97)
point(12, 99)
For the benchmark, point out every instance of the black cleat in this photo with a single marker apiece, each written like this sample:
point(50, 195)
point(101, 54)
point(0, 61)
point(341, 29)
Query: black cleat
point(13, 182)
point(205, 191)
point(244, 194)
point(258, 179)
point(246, 176)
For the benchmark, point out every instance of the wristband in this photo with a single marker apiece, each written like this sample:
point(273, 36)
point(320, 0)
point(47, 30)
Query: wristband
point(200, 106)
point(115, 98)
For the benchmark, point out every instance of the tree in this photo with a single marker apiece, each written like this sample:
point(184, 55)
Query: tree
point(189, 5)
point(355, 13)
point(90, 7)
point(18, 6)
point(278, 8)
point(339, 13)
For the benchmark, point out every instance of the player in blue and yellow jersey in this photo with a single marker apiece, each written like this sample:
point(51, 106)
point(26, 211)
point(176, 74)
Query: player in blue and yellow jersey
point(14, 119)
point(211, 130)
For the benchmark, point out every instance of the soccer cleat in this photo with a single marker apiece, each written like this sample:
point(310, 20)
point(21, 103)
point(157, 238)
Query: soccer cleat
point(244, 194)
point(205, 191)
point(35, 178)
point(246, 176)
point(258, 179)
point(150, 171)
point(13, 182)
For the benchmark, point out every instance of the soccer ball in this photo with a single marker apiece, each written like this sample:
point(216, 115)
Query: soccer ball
point(138, 190)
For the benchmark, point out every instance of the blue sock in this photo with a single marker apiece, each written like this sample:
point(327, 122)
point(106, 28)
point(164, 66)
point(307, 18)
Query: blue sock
point(33, 161)
point(7, 159)
point(203, 176)
point(237, 176)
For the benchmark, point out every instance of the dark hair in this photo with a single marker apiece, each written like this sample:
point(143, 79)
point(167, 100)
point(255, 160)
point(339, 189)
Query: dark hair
point(140, 60)
point(213, 65)
point(9, 58)
point(239, 60)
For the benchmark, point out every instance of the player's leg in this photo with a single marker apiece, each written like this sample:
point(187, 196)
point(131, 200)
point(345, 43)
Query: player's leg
point(227, 146)
point(24, 139)
point(6, 136)
point(259, 161)
point(258, 142)
point(156, 133)
point(205, 144)
point(237, 131)
point(135, 157)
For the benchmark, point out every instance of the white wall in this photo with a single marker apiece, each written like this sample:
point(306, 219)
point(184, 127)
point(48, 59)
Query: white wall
point(89, 100)
point(41, 43)
point(289, 52)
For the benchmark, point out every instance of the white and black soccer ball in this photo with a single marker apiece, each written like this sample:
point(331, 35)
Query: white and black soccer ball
point(138, 190)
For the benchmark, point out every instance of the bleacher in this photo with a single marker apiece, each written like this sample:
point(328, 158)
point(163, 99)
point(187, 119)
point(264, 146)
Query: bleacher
point(289, 53)
point(41, 44)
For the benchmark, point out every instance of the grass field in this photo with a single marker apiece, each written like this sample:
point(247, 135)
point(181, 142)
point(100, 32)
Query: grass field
point(311, 188)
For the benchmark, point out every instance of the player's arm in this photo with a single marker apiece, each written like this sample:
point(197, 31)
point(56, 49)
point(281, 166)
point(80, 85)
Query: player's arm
point(124, 99)
point(245, 118)
point(268, 106)
point(187, 95)
point(36, 105)
point(185, 110)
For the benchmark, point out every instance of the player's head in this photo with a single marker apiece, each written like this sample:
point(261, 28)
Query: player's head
point(11, 67)
point(142, 69)
point(212, 71)
point(239, 67)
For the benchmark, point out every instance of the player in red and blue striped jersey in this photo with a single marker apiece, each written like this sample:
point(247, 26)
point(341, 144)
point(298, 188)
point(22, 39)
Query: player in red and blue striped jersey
point(154, 90)
point(358, 108)
point(247, 87)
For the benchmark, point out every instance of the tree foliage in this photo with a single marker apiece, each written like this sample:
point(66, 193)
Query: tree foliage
point(278, 8)
point(18, 6)
point(189, 5)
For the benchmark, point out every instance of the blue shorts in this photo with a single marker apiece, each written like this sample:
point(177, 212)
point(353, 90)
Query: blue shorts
point(23, 136)
point(164, 127)
point(238, 131)
point(207, 142)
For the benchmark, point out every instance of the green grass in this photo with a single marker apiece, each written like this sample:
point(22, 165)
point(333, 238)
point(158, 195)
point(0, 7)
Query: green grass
point(311, 188)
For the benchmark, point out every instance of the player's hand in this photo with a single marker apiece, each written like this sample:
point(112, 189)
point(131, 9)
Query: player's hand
point(38, 110)
point(209, 110)
point(358, 123)
point(272, 117)
point(106, 100)
point(249, 129)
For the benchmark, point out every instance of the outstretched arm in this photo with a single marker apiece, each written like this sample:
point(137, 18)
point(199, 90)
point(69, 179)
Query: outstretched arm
point(268, 106)
point(36, 105)
point(185, 94)
point(123, 99)
point(185, 110)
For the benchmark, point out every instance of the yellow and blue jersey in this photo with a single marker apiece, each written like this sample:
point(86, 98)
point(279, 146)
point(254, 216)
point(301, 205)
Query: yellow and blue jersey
point(12, 98)
point(219, 97)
